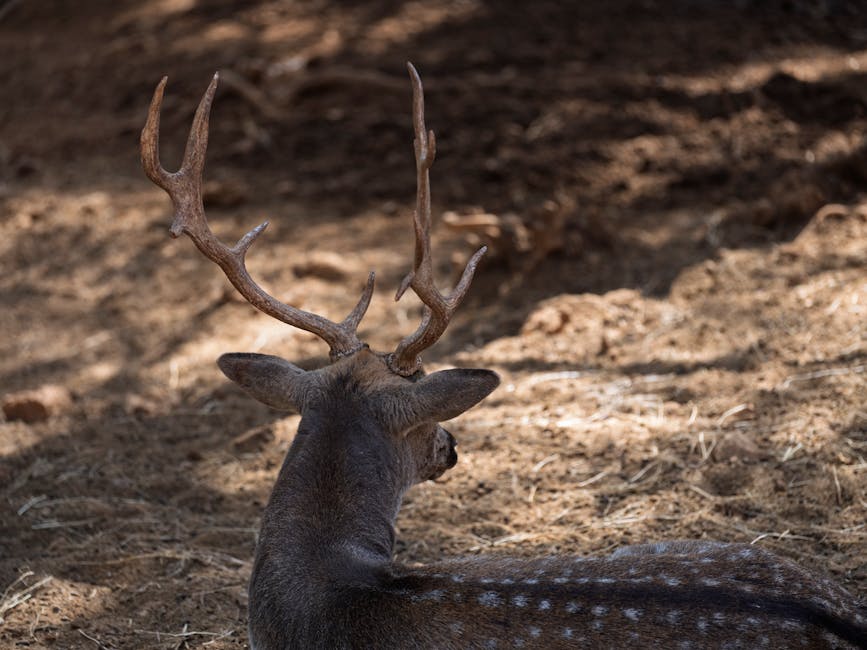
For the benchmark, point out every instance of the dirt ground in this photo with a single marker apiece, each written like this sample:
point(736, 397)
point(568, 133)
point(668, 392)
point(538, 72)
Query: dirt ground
point(676, 195)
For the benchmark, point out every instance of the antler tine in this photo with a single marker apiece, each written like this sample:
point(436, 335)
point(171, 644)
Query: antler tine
point(438, 308)
point(150, 144)
point(185, 189)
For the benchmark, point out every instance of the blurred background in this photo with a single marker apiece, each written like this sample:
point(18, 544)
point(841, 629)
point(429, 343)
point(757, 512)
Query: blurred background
point(673, 195)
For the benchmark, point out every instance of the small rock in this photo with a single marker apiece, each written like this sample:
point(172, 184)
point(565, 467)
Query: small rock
point(37, 405)
point(735, 444)
point(253, 440)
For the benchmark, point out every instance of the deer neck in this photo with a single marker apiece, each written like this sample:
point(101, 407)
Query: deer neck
point(337, 494)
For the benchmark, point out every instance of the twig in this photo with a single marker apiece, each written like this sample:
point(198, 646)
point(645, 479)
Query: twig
point(30, 503)
point(99, 643)
point(791, 450)
point(549, 459)
point(837, 486)
point(20, 578)
point(785, 533)
point(11, 602)
point(643, 471)
point(500, 541)
point(53, 523)
point(730, 412)
point(622, 521)
point(593, 479)
point(706, 451)
point(819, 374)
point(185, 634)
point(555, 376)
point(43, 501)
point(220, 560)
point(698, 490)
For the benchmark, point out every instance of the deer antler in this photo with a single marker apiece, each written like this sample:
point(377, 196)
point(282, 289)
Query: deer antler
point(438, 308)
point(185, 189)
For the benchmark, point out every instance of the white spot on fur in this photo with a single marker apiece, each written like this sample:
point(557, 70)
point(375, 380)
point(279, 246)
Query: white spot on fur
point(520, 600)
point(572, 607)
point(567, 633)
point(673, 616)
point(436, 596)
point(535, 632)
point(793, 626)
point(491, 644)
point(531, 581)
point(544, 605)
point(599, 610)
point(632, 614)
point(490, 599)
point(710, 582)
point(671, 582)
point(701, 624)
point(518, 642)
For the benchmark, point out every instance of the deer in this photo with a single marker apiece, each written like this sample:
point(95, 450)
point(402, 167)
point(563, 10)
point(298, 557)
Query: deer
point(324, 574)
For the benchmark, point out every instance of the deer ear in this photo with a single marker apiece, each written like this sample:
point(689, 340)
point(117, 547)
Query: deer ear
point(446, 394)
point(271, 380)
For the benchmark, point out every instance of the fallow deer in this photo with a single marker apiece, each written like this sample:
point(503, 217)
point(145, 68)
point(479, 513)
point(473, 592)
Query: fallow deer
point(324, 575)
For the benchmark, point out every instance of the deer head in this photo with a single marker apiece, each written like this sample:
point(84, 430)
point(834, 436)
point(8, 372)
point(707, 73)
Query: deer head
point(408, 411)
